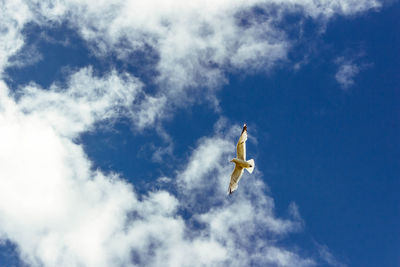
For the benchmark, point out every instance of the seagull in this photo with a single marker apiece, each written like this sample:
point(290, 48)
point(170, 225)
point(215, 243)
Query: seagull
point(240, 162)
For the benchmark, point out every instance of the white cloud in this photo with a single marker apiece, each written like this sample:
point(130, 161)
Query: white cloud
point(85, 100)
point(149, 110)
point(14, 15)
point(49, 195)
point(346, 72)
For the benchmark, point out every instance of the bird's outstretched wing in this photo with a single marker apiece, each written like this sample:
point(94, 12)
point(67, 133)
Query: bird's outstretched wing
point(235, 177)
point(241, 145)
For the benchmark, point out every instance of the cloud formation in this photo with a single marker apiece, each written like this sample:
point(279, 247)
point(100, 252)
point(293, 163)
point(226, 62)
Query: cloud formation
point(61, 212)
point(347, 70)
point(192, 45)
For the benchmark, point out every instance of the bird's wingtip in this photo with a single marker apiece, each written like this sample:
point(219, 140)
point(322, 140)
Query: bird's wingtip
point(229, 192)
point(244, 127)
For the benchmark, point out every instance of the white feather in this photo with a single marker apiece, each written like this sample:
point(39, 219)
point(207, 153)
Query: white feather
point(251, 162)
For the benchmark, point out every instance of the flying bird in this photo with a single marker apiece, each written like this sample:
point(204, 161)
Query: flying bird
point(240, 161)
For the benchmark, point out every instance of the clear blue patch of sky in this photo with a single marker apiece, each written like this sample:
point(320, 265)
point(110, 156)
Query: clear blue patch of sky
point(9, 255)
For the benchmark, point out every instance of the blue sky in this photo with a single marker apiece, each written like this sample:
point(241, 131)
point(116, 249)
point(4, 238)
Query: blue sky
point(118, 120)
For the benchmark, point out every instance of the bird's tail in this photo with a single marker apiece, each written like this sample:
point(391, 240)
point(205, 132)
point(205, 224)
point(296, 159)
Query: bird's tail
point(251, 162)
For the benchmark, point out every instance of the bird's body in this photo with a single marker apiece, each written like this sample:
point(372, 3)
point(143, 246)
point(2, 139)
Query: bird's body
point(240, 161)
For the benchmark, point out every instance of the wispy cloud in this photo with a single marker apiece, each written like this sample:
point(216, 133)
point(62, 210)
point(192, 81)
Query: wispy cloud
point(327, 256)
point(86, 100)
point(347, 70)
point(14, 15)
point(28, 56)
